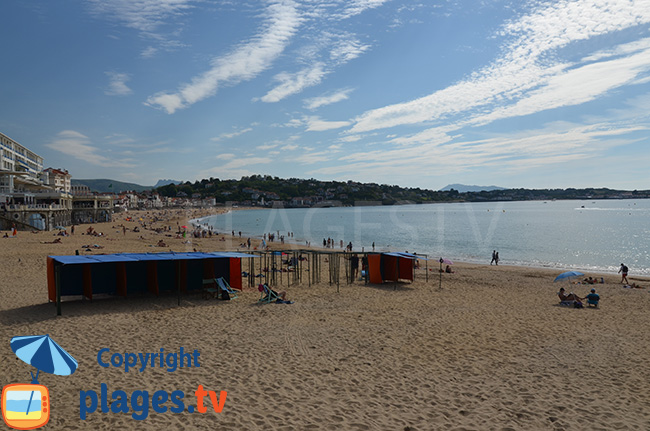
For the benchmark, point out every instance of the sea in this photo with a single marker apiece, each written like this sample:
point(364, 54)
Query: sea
point(585, 235)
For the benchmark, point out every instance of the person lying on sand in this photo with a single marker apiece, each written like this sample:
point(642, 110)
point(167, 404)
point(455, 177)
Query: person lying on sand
point(161, 243)
point(56, 241)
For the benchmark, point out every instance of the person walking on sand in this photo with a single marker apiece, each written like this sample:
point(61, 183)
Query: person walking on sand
point(623, 271)
point(495, 257)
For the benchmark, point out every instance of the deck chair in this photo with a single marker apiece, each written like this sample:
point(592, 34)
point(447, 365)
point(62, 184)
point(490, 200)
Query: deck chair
point(209, 292)
point(224, 286)
point(266, 294)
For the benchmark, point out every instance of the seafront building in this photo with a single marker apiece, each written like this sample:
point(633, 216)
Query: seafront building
point(35, 198)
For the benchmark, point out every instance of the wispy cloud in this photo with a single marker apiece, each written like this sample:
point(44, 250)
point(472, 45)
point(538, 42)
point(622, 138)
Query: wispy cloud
point(236, 167)
point(155, 20)
point(225, 136)
point(331, 51)
point(79, 146)
point(355, 7)
point(315, 124)
point(225, 156)
point(117, 84)
point(309, 158)
point(525, 70)
point(557, 143)
point(141, 15)
point(295, 83)
point(338, 96)
point(244, 63)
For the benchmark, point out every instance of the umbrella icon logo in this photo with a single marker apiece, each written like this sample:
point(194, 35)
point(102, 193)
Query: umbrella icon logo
point(27, 406)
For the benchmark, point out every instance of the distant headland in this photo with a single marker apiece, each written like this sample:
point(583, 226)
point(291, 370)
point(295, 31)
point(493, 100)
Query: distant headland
point(265, 190)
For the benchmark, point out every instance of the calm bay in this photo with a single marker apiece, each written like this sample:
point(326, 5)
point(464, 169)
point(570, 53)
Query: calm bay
point(595, 236)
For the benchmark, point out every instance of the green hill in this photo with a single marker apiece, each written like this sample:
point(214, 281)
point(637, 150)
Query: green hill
point(111, 186)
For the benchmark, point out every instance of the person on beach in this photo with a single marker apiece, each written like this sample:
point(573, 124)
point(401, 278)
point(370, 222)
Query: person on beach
point(494, 257)
point(282, 295)
point(593, 298)
point(354, 266)
point(570, 297)
point(623, 271)
point(448, 270)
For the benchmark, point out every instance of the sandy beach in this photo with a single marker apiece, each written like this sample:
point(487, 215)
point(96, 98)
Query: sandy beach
point(491, 350)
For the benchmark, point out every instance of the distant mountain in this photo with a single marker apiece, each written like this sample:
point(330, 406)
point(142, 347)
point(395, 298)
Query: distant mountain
point(463, 188)
point(111, 186)
point(161, 183)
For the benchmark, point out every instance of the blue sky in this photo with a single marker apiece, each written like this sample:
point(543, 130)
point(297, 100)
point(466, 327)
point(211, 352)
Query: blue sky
point(421, 93)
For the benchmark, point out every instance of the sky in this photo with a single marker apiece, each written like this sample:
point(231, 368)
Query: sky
point(416, 93)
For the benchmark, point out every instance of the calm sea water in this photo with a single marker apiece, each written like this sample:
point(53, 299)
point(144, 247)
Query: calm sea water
point(588, 235)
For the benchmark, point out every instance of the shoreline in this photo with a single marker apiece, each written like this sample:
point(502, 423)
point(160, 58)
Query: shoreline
point(485, 349)
point(559, 267)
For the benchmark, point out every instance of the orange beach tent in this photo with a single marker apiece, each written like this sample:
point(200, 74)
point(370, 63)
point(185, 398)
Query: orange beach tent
point(384, 267)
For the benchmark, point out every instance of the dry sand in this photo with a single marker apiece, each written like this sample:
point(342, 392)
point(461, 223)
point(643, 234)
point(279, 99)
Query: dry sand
point(491, 350)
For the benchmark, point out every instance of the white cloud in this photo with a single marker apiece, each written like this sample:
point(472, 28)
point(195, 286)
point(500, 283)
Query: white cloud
point(310, 158)
point(79, 146)
point(331, 50)
point(355, 7)
point(518, 152)
point(266, 147)
point(328, 99)
point(231, 135)
point(294, 83)
point(524, 67)
point(142, 15)
point(315, 124)
point(236, 168)
point(577, 86)
point(346, 50)
point(244, 63)
point(117, 84)
point(289, 147)
point(225, 156)
point(149, 52)
point(158, 21)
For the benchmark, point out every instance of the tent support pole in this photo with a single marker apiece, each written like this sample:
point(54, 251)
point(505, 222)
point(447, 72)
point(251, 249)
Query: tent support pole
point(178, 284)
point(57, 282)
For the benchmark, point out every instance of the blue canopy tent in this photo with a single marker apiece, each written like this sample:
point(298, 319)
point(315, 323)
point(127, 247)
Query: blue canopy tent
point(117, 274)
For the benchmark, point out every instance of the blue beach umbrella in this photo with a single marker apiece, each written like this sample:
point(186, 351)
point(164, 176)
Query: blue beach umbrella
point(42, 352)
point(568, 275)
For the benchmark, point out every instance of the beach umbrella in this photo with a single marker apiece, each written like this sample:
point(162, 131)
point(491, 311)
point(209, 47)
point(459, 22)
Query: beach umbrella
point(447, 261)
point(184, 227)
point(43, 353)
point(568, 275)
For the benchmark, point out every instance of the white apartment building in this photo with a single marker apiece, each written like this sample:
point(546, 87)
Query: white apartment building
point(57, 179)
point(19, 167)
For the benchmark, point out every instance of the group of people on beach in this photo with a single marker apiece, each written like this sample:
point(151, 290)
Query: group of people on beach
point(592, 298)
